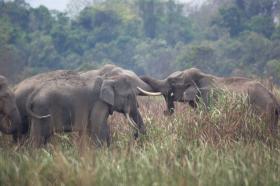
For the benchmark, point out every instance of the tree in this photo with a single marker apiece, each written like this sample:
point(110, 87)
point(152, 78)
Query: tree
point(40, 19)
point(148, 14)
point(232, 19)
point(273, 69)
point(261, 24)
point(200, 56)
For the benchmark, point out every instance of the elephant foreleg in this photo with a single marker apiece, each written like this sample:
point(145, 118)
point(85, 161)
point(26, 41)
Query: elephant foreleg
point(98, 128)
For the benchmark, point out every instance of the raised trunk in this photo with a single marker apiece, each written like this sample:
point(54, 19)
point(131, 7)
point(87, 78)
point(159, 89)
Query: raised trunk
point(157, 85)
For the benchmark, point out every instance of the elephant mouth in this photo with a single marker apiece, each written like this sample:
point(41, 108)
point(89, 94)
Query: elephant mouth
point(184, 100)
point(192, 103)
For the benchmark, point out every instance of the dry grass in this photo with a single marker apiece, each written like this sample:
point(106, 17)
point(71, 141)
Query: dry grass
point(227, 145)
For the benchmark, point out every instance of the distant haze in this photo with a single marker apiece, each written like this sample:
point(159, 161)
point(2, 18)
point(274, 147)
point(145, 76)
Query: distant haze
point(61, 5)
point(50, 4)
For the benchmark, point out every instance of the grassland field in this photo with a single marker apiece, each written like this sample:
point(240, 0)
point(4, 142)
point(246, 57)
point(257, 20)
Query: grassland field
point(227, 145)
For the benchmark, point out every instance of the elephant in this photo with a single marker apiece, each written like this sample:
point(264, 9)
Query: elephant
point(140, 87)
point(10, 121)
point(69, 102)
point(192, 84)
point(27, 86)
point(23, 89)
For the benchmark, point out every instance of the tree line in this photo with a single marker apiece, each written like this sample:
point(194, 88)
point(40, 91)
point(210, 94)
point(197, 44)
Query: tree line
point(153, 37)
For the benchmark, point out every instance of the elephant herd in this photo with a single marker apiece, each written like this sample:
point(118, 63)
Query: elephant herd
point(64, 101)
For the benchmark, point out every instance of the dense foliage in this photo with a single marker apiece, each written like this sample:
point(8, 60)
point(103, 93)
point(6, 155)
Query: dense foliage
point(152, 37)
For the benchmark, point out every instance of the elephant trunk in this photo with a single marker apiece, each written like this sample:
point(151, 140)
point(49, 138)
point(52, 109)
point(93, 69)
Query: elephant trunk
point(157, 85)
point(163, 87)
point(170, 105)
point(136, 121)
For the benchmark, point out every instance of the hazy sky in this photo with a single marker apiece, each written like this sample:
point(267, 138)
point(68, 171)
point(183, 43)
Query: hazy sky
point(51, 4)
point(61, 4)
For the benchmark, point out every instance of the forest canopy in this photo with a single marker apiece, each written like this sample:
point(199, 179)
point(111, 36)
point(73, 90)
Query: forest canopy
point(153, 37)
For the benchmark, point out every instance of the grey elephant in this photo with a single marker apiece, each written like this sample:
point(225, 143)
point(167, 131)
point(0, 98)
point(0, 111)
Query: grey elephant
point(68, 102)
point(26, 87)
point(10, 121)
point(109, 70)
point(191, 84)
point(23, 89)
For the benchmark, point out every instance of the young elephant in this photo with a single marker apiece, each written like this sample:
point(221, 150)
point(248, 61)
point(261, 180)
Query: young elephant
point(75, 103)
point(8, 109)
point(188, 85)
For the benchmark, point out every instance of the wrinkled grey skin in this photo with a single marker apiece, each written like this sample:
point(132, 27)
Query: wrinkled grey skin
point(10, 121)
point(190, 84)
point(26, 87)
point(110, 70)
point(76, 103)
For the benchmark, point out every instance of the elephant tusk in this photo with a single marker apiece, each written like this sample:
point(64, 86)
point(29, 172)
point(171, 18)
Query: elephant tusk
point(131, 122)
point(149, 93)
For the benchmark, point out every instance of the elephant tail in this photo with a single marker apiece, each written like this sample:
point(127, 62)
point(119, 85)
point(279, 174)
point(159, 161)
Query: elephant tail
point(29, 110)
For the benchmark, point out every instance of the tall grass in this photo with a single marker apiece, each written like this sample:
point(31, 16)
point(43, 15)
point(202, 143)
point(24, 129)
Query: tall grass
point(225, 145)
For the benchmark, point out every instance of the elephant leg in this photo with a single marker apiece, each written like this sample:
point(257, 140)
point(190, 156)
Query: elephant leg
point(205, 99)
point(105, 133)
point(40, 131)
point(98, 128)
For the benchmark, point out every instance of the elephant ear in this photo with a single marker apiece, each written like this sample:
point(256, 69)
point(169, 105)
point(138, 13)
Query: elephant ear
point(107, 92)
point(123, 86)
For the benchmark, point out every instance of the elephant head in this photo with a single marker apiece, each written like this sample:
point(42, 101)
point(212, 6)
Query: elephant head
point(119, 93)
point(9, 114)
point(182, 86)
